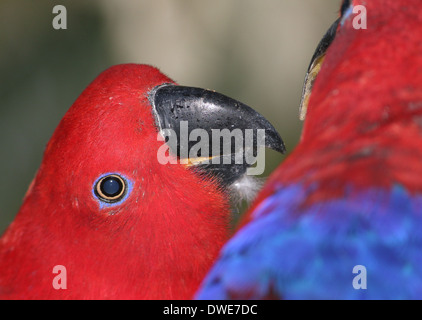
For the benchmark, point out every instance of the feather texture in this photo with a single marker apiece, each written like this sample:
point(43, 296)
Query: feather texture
point(295, 252)
point(351, 192)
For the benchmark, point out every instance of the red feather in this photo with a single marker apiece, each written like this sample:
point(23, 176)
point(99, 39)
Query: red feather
point(364, 121)
point(173, 220)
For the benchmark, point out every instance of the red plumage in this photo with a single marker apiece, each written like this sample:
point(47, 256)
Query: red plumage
point(341, 217)
point(373, 76)
point(158, 244)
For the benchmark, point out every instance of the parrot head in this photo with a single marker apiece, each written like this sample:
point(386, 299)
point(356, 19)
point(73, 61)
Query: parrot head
point(340, 218)
point(103, 205)
point(363, 81)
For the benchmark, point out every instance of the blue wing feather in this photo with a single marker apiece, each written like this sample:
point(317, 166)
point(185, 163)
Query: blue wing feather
point(294, 251)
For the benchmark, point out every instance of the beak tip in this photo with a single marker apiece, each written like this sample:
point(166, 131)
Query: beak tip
point(273, 139)
point(278, 146)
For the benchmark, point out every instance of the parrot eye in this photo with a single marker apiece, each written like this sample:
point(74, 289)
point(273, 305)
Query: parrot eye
point(110, 188)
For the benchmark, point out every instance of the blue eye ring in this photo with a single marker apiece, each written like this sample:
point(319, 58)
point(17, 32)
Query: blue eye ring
point(111, 188)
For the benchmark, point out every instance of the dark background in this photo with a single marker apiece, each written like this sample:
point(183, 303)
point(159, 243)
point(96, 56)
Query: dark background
point(254, 51)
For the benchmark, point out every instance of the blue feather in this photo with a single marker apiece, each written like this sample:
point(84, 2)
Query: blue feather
point(293, 251)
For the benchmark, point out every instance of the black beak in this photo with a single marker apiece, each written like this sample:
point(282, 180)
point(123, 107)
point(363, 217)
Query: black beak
point(181, 109)
point(315, 65)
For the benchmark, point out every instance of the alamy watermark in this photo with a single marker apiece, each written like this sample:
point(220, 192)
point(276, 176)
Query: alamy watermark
point(360, 280)
point(60, 281)
point(359, 17)
point(60, 18)
point(215, 149)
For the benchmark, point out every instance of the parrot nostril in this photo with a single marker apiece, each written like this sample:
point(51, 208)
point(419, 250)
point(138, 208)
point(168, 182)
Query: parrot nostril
point(110, 188)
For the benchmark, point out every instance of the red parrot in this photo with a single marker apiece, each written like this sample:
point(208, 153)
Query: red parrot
point(106, 214)
point(341, 217)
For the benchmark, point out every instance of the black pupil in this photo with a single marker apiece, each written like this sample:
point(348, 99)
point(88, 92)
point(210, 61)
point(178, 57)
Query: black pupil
point(111, 186)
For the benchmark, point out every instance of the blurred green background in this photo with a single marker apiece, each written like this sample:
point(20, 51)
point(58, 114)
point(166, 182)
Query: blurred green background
point(254, 51)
